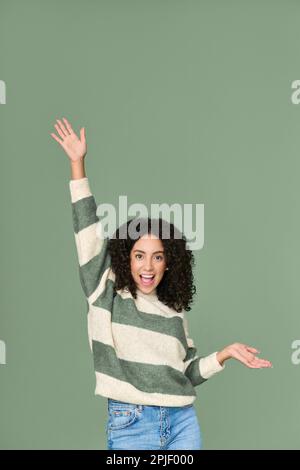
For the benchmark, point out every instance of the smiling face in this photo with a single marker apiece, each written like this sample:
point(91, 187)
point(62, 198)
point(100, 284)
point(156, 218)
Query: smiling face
point(147, 263)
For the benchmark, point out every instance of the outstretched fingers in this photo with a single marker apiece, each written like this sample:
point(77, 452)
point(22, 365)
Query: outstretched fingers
point(258, 363)
point(68, 126)
point(248, 358)
point(59, 131)
point(56, 138)
point(252, 350)
point(62, 128)
point(62, 131)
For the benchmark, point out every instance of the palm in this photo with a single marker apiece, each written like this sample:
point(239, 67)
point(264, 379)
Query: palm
point(74, 148)
point(246, 355)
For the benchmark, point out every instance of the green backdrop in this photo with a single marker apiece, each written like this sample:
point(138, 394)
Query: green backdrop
point(183, 101)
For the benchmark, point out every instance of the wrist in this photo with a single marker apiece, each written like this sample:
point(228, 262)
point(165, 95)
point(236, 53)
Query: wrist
point(223, 356)
point(77, 169)
point(77, 163)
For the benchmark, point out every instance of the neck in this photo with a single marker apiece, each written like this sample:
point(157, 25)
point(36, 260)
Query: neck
point(151, 295)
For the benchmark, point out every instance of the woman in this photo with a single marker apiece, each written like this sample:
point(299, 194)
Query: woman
point(138, 290)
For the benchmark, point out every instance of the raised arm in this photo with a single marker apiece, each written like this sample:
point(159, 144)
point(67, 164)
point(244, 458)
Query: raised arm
point(94, 259)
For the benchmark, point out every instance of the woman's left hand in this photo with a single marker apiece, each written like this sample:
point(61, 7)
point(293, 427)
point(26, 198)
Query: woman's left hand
point(243, 353)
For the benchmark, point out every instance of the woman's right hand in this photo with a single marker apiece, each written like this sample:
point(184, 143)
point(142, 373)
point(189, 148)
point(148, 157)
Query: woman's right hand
point(74, 147)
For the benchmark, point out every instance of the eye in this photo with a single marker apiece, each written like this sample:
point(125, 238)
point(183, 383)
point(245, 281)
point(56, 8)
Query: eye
point(137, 255)
point(159, 257)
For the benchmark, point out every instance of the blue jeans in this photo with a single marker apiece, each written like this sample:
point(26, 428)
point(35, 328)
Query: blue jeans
point(131, 426)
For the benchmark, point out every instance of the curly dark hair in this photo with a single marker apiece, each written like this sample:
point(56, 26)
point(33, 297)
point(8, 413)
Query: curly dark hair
point(176, 289)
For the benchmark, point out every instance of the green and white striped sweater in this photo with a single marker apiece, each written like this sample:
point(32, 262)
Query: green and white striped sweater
point(141, 348)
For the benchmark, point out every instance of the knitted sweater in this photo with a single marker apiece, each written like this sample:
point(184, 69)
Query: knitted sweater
point(142, 350)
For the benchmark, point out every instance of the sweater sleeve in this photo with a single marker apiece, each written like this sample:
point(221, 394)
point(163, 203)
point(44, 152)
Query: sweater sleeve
point(199, 368)
point(92, 247)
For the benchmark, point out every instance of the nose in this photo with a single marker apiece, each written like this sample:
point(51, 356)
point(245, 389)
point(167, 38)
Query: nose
point(148, 264)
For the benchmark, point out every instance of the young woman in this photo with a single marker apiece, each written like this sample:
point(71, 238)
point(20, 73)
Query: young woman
point(138, 290)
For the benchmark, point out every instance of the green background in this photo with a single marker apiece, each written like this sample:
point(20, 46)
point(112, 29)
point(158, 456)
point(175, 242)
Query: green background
point(183, 101)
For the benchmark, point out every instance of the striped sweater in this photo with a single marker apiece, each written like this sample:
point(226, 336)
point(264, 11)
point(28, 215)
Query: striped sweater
point(142, 350)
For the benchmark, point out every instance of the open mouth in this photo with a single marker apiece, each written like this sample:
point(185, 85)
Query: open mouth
point(147, 279)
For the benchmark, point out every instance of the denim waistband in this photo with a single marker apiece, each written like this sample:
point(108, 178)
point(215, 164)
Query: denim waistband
point(112, 402)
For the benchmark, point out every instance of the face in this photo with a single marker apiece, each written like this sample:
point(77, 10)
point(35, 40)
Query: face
point(148, 263)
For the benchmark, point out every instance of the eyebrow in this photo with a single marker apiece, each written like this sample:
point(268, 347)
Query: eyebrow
point(154, 252)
